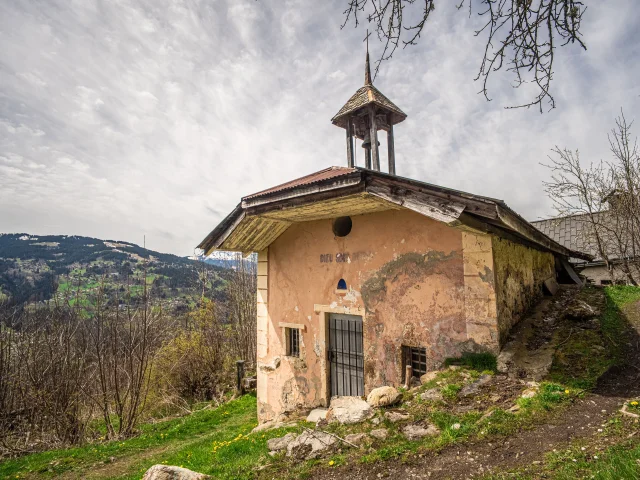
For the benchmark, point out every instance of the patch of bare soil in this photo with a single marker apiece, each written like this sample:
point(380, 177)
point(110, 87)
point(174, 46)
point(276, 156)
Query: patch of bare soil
point(583, 419)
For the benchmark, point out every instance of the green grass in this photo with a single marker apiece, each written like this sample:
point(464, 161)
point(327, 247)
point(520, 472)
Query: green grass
point(213, 441)
point(475, 361)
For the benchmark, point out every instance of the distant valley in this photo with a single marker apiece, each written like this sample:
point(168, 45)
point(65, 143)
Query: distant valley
point(49, 268)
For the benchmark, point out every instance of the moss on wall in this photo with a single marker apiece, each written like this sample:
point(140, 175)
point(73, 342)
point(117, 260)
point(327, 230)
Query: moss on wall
point(519, 274)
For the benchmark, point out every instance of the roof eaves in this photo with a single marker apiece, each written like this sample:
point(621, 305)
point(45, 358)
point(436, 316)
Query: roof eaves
point(222, 231)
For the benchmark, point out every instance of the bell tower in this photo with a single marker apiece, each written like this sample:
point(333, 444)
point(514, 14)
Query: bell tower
point(366, 112)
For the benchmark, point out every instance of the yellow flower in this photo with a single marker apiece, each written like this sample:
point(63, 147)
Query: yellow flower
point(634, 403)
point(332, 463)
point(567, 392)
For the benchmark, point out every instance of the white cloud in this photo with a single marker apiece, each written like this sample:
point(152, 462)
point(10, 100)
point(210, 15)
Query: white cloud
point(130, 118)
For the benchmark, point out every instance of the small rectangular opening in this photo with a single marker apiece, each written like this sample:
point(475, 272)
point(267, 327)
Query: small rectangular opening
point(417, 358)
point(293, 342)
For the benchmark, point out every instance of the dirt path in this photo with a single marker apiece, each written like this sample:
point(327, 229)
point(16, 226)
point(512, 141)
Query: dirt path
point(581, 420)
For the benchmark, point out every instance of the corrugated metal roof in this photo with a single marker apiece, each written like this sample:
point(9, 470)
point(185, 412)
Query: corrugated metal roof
point(327, 173)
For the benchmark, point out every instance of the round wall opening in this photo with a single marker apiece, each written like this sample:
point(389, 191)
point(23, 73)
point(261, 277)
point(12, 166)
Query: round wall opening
point(342, 226)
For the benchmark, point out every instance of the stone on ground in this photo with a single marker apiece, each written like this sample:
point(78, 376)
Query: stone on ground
point(168, 472)
point(356, 438)
point(310, 444)
point(433, 394)
point(397, 416)
point(277, 444)
point(473, 388)
point(348, 410)
point(383, 396)
point(380, 433)
point(427, 377)
point(580, 310)
point(529, 393)
point(317, 414)
point(416, 432)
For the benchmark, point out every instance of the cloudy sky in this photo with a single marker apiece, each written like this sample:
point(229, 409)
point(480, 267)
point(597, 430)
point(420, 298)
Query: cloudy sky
point(126, 118)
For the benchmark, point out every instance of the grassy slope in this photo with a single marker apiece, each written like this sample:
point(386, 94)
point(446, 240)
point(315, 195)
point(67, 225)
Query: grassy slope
point(217, 441)
point(214, 441)
point(621, 460)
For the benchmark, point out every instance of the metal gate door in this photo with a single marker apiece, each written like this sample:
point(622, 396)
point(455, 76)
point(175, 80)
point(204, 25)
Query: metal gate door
point(346, 357)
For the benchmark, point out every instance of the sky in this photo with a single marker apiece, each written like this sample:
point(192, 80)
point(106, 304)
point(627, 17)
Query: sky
point(134, 119)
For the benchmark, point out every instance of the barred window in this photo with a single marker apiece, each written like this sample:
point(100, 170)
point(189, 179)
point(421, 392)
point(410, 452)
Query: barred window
point(417, 358)
point(293, 342)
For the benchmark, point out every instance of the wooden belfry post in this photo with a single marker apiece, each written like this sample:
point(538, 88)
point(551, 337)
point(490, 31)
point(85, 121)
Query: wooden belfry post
point(351, 162)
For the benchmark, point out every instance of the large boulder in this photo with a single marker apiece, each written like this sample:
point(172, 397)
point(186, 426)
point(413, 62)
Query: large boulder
point(310, 444)
point(168, 472)
point(383, 396)
point(281, 443)
point(427, 377)
point(416, 432)
point(348, 410)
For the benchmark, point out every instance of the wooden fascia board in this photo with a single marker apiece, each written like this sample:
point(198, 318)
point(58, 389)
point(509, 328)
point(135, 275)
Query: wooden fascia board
point(422, 203)
point(289, 194)
point(516, 223)
point(219, 240)
point(477, 206)
point(224, 228)
point(307, 199)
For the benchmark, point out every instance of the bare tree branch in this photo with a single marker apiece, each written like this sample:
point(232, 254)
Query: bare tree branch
point(521, 35)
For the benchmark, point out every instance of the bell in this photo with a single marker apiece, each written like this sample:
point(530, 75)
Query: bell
point(366, 143)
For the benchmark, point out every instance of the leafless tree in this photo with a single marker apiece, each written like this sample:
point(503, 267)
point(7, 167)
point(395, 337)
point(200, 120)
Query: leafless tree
point(520, 34)
point(605, 196)
point(242, 306)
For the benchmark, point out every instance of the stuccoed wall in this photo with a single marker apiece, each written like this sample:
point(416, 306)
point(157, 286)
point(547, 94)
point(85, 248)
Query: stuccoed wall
point(519, 274)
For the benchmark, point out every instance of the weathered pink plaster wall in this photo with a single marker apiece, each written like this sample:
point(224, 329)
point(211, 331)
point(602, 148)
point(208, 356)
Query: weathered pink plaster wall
point(403, 269)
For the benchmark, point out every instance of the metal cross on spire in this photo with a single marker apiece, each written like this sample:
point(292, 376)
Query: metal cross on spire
point(367, 68)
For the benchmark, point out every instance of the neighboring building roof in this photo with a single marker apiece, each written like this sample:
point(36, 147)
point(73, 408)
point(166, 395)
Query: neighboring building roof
point(262, 217)
point(576, 232)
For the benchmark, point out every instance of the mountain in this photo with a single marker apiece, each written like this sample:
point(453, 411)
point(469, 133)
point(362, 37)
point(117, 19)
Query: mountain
point(62, 267)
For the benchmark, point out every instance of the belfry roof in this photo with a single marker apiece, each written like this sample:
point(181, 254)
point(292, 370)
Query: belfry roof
point(364, 96)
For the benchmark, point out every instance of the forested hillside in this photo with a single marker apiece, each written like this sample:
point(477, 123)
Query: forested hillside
point(47, 267)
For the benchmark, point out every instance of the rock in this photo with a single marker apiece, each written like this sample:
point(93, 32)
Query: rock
point(380, 433)
point(454, 367)
point(456, 426)
point(397, 416)
point(505, 360)
point(250, 383)
point(529, 393)
point(472, 388)
point(551, 285)
point(348, 410)
point(514, 409)
point(416, 432)
point(414, 382)
point(376, 421)
point(580, 310)
point(168, 472)
point(429, 376)
point(317, 414)
point(309, 445)
point(433, 394)
point(277, 444)
point(356, 438)
point(383, 396)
